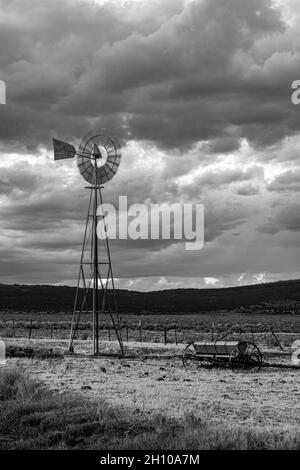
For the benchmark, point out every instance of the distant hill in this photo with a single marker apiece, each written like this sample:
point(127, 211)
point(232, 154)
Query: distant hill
point(46, 298)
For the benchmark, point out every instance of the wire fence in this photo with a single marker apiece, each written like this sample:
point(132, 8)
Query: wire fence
point(139, 332)
point(61, 330)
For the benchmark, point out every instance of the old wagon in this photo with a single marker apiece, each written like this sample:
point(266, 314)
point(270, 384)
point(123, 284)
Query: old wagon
point(233, 354)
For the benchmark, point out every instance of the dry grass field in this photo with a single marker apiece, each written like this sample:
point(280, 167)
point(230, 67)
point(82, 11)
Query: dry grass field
point(188, 327)
point(149, 400)
point(241, 409)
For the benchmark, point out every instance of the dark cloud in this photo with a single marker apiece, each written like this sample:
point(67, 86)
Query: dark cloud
point(217, 178)
point(247, 189)
point(288, 181)
point(172, 73)
point(199, 95)
point(288, 217)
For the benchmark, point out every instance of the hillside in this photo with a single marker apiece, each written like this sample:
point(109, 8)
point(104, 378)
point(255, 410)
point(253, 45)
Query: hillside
point(277, 296)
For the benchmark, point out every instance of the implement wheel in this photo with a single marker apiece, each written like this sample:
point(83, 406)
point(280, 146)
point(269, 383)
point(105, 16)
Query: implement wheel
point(254, 357)
point(250, 358)
point(191, 361)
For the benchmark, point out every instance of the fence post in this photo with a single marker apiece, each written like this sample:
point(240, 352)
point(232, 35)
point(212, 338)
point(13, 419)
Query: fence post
point(277, 339)
point(212, 331)
point(175, 331)
point(141, 328)
point(165, 335)
point(252, 333)
point(108, 333)
point(127, 333)
point(30, 329)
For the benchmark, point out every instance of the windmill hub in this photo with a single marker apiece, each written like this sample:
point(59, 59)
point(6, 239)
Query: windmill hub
point(99, 155)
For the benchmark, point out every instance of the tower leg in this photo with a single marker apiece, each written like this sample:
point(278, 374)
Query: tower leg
point(95, 276)
point(97, 281)
point(80, 280)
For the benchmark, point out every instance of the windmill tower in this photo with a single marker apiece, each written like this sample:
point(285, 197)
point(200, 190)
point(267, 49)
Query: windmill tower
point(98, 159)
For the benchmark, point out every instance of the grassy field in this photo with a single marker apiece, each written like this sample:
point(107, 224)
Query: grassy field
point(151, 328)
point(33, 417)
point(146, 400)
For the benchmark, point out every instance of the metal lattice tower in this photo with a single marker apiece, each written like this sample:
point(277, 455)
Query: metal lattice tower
point(98, 158)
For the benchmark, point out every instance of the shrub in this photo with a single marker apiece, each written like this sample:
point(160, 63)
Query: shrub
point(7, 333)
point(16, 385)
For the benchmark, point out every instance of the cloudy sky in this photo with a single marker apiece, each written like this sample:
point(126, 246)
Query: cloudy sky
point(198, 92)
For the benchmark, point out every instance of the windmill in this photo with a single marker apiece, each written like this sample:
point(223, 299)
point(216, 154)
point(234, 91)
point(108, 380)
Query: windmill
point(98, 159)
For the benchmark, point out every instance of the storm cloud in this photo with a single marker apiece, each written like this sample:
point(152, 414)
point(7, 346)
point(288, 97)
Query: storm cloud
point(193, 71)
point(198, 92)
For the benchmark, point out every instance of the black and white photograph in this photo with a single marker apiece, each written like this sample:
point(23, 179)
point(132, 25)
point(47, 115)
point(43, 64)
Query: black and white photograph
point(149, 229)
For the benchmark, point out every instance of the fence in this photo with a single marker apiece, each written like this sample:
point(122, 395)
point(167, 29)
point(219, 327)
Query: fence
point(60, 330)
point(138, 332)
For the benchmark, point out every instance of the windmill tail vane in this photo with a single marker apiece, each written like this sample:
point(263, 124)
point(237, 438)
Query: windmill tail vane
point(98, 159)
